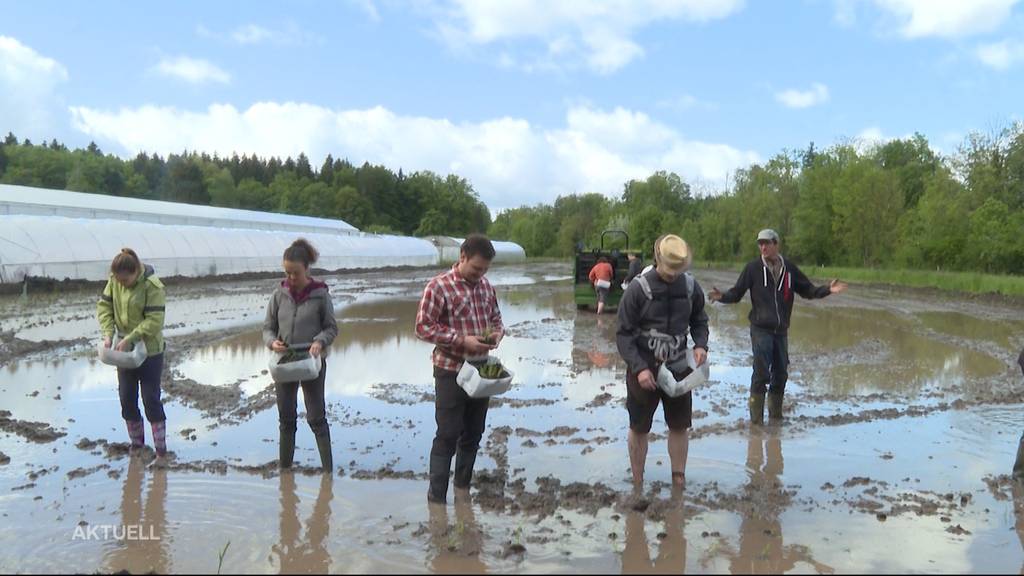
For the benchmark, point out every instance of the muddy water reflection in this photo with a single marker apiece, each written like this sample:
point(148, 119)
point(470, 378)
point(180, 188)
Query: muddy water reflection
point(457, 547)
point(671, 542)
point(843, 351)
point(741, 491)
point(304, 551)
point(149, 552)
point(762, 549)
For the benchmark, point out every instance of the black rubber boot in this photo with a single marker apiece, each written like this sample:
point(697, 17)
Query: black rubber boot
point(440, 467)
point(1018, 465)
point(757, 409)
point(286, 448)
point(774, 406)
point(323, 445)
point(464, 469)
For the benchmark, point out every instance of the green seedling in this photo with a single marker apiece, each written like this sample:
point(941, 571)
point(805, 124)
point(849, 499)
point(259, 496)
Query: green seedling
point(492, 371)
point(220, 561)
point(489, 337)
point(293, 356)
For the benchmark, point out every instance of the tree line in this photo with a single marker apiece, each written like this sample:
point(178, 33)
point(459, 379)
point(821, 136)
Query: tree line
point(371, 198)
point(894, 204)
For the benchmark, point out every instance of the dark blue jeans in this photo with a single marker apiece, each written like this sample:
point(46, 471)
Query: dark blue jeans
point(771, 362)
point(146, 377)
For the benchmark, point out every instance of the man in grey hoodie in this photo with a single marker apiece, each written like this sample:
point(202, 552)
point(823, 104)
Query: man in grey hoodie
point(300, 314)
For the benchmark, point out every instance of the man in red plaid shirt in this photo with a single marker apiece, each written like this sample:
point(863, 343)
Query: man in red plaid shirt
point(457, 309)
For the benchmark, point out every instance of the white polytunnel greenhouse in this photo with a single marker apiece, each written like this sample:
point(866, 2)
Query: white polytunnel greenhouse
point(68, 235)
point(26, 200)
point(504, 252)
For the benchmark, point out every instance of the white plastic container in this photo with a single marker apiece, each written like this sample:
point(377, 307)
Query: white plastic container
point(603, 284)
point(307, 369)
point(479, 387)
point(130, 360)
point(695, 379)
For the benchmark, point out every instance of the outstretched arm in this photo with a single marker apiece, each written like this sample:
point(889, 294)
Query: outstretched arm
point(734, 294)
point(805, 288)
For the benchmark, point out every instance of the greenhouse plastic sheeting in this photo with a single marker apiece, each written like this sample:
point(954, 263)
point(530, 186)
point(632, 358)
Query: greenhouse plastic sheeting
point(81, 249)
point(504, 252)
point(28, 201)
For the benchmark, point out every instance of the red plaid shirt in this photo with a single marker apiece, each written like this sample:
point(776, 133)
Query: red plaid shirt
point(452, 308)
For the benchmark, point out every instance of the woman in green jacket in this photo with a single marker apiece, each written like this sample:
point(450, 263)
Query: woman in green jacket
point(133, 305)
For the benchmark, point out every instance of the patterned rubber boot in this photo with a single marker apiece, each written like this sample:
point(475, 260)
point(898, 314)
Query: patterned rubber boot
point(160, 443)
point(137, 436)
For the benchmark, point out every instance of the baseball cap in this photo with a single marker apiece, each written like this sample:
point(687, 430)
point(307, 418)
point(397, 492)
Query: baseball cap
point(769, 235)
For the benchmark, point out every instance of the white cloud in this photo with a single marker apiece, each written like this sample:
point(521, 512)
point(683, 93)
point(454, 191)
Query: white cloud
point(1001, 55)
point(597, 34)
point(818, 94)
point(368, 7)
point(872, 135)
point(509, 161)
point(686, 102)
point(29, 103)
point(946, 18)
point(250, 34)
point(191, 70)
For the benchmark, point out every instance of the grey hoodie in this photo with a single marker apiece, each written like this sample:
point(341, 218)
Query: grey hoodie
point(303, 323)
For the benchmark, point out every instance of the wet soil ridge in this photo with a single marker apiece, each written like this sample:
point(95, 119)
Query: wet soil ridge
point(14, 349)
point(39, 432)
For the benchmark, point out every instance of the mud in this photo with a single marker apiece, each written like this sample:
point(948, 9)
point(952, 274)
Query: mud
point(39, 432)
point(902, 412)
point(14, 349)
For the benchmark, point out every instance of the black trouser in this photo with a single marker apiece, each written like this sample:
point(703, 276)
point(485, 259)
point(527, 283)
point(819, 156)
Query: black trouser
point(316, 407)
point(771, 361)
point(146, 377)
point(460, 419)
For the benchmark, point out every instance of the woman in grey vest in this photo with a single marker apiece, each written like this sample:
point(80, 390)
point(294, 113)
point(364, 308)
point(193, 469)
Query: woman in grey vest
point(300, 315)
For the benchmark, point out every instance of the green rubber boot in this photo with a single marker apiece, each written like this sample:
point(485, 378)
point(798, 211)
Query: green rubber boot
point(757, 409)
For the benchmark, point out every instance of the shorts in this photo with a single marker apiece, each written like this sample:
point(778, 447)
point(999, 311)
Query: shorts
point(642, 404)
point(602, 294)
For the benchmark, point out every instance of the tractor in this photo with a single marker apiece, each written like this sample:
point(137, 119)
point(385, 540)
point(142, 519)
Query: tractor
point(585, 294)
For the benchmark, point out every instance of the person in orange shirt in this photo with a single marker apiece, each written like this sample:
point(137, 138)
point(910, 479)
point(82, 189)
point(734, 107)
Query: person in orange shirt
point(601, 277)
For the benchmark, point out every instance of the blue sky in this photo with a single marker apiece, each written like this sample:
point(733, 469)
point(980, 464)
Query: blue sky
point(527, 98)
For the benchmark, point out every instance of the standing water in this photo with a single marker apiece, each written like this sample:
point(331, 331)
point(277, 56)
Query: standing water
point(903, 415)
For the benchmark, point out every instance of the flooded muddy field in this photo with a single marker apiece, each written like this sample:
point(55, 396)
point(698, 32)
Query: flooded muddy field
point(903, 410)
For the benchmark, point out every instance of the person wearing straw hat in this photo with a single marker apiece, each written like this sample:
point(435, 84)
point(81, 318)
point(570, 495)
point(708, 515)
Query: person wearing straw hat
point(659, 309)
point(772, 282)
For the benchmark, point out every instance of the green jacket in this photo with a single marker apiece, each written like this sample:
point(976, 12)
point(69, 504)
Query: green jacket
point(136, 312)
